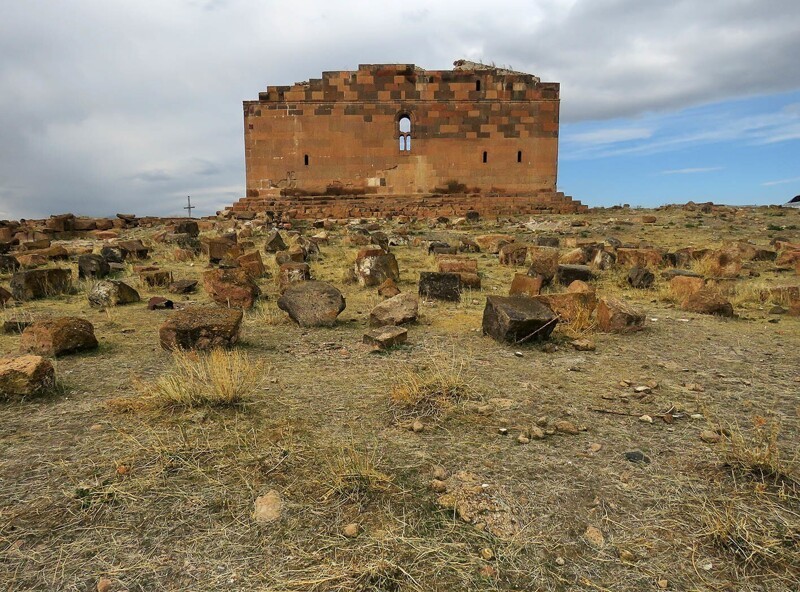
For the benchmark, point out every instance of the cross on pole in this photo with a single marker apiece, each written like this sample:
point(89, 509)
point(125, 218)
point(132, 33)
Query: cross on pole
point(189, 207)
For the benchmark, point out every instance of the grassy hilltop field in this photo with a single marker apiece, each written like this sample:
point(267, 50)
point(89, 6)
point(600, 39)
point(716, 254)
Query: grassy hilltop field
point(656, 454)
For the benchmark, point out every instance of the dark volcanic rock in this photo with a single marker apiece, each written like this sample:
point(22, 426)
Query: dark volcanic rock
point(515, 319)
point(641, 278)
point(40, 283)
point(440, 286)
point(567, 274)
point(93, 266)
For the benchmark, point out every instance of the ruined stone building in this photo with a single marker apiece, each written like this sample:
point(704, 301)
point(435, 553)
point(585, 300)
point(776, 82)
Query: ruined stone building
point(396, 139)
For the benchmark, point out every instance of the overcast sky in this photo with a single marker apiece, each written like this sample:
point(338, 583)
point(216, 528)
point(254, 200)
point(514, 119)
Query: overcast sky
point(112, 105)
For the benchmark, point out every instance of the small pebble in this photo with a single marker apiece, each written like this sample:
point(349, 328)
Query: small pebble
point(351, 530)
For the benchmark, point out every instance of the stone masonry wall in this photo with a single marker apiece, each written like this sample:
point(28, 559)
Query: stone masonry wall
point(340, 133)
point(334, 146)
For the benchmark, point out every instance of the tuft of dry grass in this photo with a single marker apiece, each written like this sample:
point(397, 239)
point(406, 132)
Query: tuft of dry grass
point(266, 312)
point(757, 537)
point(355, 474)
point(217, 379)
point(580, 323)
point(759, 454)
point(430, 390)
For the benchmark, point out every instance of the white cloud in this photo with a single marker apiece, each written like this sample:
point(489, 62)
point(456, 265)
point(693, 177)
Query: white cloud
point(691, 170)
point(97, 96)
point(781, 182)
point(610, 136)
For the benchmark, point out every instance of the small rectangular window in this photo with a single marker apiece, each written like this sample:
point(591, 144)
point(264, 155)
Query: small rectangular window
point(477, 85)
point(519, 155)
point(485, 156)
point(305, 159)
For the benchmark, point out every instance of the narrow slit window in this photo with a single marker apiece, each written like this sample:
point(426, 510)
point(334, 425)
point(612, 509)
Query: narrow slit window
point(477, 85)
point(485, 156)
point(305, 159)
point(519, 155)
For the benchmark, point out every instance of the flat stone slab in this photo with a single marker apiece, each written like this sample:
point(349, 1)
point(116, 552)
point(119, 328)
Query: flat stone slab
point(385, 337)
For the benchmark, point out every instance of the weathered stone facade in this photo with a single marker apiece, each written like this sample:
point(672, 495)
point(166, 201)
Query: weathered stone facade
point(399, 139)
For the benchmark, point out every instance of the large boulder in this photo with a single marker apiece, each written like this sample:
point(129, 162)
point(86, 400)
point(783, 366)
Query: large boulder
point(40, 283)
point(707, 301)
point(22, 376)
point(201, 328)
point(56, 337)
point(93, 266)
point(403, 308)
point(374, 266)
point(5, 296)
point(312, 303)
point(440, 286)
point(231, 287)
point(544, 262)
point(108, 293)
point(616, 316)
point(516, 319)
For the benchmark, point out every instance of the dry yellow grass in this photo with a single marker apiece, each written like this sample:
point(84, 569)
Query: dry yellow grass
point(431, 389)
point(219, 378)
point(355, 474)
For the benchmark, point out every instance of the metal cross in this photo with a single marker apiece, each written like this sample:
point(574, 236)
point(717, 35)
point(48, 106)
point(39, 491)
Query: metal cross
point(189, 207)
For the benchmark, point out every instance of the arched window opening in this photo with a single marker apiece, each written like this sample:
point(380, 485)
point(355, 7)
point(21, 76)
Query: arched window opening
point(485, 156)
point(305, 159)
point(519, 155)
point(404, 133)
point(477, 85)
